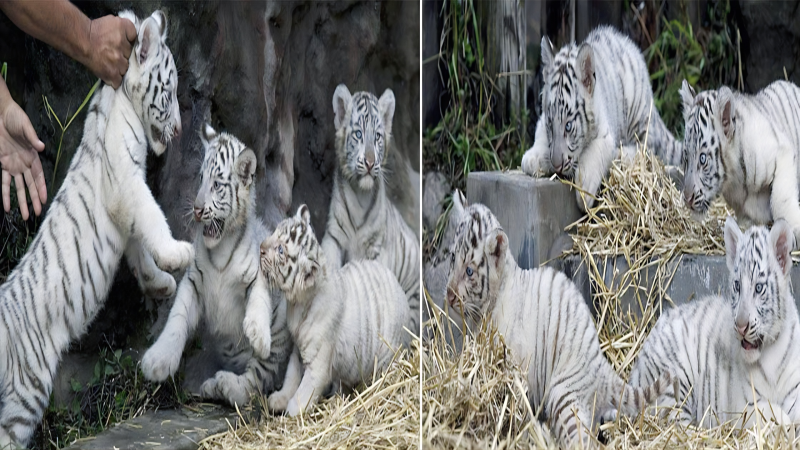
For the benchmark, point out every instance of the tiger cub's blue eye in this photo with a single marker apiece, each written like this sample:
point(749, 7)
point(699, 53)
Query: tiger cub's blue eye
point(702, 158)
point(358, 134)
point(469, 271)
point(568, 127)
point(736, 286)
point(280, 249)
point(759, 288)
point(216, 185)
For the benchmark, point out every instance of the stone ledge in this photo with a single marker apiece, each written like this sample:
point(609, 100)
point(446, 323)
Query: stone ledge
point(172, 429)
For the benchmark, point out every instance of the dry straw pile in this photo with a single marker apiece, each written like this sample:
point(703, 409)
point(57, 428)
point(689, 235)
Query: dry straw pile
point(476, 398)
point(383, 415)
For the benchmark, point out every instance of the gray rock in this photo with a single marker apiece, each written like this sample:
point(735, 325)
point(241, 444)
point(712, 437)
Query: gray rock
point(435, 188)
point(164, 430)
point(770, 42)
point(534, 213)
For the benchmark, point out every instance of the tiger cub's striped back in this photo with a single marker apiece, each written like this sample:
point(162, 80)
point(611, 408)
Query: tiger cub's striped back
point(596, 98)
point(53, 294)
point(546, 323)
point(717, 346)
point(362, 222)
point(346, 323)
point(223, 286)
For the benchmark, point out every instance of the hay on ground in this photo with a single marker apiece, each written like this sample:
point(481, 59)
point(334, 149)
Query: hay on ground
point(383, 415)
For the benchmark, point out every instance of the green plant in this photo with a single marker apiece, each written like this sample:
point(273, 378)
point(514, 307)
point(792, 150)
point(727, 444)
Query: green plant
point(468, 138)
point(64, 128)
point(706, 58)
point(116, 392)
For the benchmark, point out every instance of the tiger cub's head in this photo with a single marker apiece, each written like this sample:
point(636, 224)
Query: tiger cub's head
point(478, 258)
point(291, 258)
point(151, 82)
point(363, 128)
point(759, 261)
point(225, 198)
point(567, 103)
point(709, 128)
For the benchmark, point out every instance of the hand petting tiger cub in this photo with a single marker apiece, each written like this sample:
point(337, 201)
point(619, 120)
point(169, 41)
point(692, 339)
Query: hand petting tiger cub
point(596, 98)
point(547, 325)
point(717, 347)
point(362, 222)
point(745, 146)
point(223, 285)
point(346, 323)
point(104, 203)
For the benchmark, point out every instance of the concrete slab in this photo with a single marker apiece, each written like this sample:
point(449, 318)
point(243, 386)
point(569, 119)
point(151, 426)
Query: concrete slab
point(533, 212)
point(163, 430)
point(694, 276)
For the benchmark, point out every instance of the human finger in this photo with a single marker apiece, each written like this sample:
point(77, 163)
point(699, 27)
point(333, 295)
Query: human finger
point(6, 188)
point(21, 199)
point(30, 134)
point(130, 35)
point(31, 183)
point(38, 177)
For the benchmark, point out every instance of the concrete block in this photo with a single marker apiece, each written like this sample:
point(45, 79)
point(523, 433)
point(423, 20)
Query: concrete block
point(164, 430)
point(533, 212)
point(694, 276)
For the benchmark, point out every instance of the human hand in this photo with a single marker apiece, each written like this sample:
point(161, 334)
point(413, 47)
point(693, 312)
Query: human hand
point(18, 159)
point(110, 41)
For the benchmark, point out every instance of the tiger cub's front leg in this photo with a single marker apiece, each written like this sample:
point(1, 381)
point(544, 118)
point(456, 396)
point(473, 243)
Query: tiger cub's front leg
point(258, 318)
point(316, 379)
point(162, 359)
point(592, 167)
point(278, 401)
point(150, 227)
point(536, 161)
point(153, 281)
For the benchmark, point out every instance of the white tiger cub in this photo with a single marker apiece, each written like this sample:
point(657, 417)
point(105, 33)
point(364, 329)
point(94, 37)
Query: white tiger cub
point(547, 325)
point(346, 323)
point(596, 98)
point(747, 147)
point(223, 285)
point(362, 222)
point(55, 291)
point(717, 347)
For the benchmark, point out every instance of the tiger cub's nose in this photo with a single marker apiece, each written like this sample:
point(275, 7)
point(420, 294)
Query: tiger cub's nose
point(198, 214)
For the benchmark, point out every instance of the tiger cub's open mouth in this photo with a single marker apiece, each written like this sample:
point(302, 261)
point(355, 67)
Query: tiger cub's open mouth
point(214, 229)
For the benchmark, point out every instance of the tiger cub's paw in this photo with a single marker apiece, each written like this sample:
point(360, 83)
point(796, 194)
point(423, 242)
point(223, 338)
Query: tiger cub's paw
point(258, 336)
point(160, 362)
point(226, 386)
point(176, 257)
point(278, 401)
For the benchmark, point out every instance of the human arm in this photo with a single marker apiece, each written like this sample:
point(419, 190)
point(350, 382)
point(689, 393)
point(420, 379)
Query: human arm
point(103, 45)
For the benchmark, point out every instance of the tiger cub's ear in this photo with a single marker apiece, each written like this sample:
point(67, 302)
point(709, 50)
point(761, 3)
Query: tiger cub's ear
point(150, 38)
point(207, 134)
point(341, 106)
point(585, 63)
point(246, 166)
point(687, 96)
point(732, 235)
point(459, 203)
point(782, 239)
point(547, 52)
point(386, 108)
point(496, 247)
point(725, 111)
point(303, 214)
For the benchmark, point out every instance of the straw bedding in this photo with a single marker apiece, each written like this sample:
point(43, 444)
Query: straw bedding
point(476, 399)
point(383, 415)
